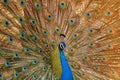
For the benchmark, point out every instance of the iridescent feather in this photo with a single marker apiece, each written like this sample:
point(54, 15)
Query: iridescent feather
point(30, 37)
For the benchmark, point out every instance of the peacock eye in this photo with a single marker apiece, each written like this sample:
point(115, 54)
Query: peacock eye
point(24, 68)
point(71, 50)
point(22, 3)
point(91, 44)
point(107, 13)
point(74, 65)
point(96, 68)
point(38, 6)
point(113, 72)
point(20, 20)
point(6, 23)
point(62, 5)
point(22, 35)
point(0, 75)
point(84, 57)
point(11, 39)
point(57, 30)
point(46, 59)
point(34, 61)
point(75, 36)
point(16, 55)
point(26, 50)
point(7, 64)
point(71, 22)
point(82, 73)
point(45, 32)
point(91, 31)
point(53, 42)
point(33, 22)
point(88, 14)
point(16, 75)
point(44, 68)
point(47, 46)
point(109, 46)
point(40, 51)
point(6, 2)
point(102, 58)
point(110, 31)
point(34, 76)
point(49, 17)
point(34, 38)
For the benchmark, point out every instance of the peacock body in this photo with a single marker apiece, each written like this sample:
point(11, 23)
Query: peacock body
point(59, 39)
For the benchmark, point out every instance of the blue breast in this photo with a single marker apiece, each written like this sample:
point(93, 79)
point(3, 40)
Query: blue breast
point(66, 71)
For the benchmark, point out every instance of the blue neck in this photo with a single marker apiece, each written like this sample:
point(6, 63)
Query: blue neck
point(66, 71)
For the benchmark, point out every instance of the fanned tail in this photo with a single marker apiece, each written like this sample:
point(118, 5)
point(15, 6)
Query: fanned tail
point(94, 53)
point(29, 38)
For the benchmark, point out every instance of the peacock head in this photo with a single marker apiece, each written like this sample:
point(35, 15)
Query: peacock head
point(62, 44)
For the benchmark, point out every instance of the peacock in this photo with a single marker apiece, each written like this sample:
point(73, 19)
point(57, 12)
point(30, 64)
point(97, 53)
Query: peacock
point(59, 39)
